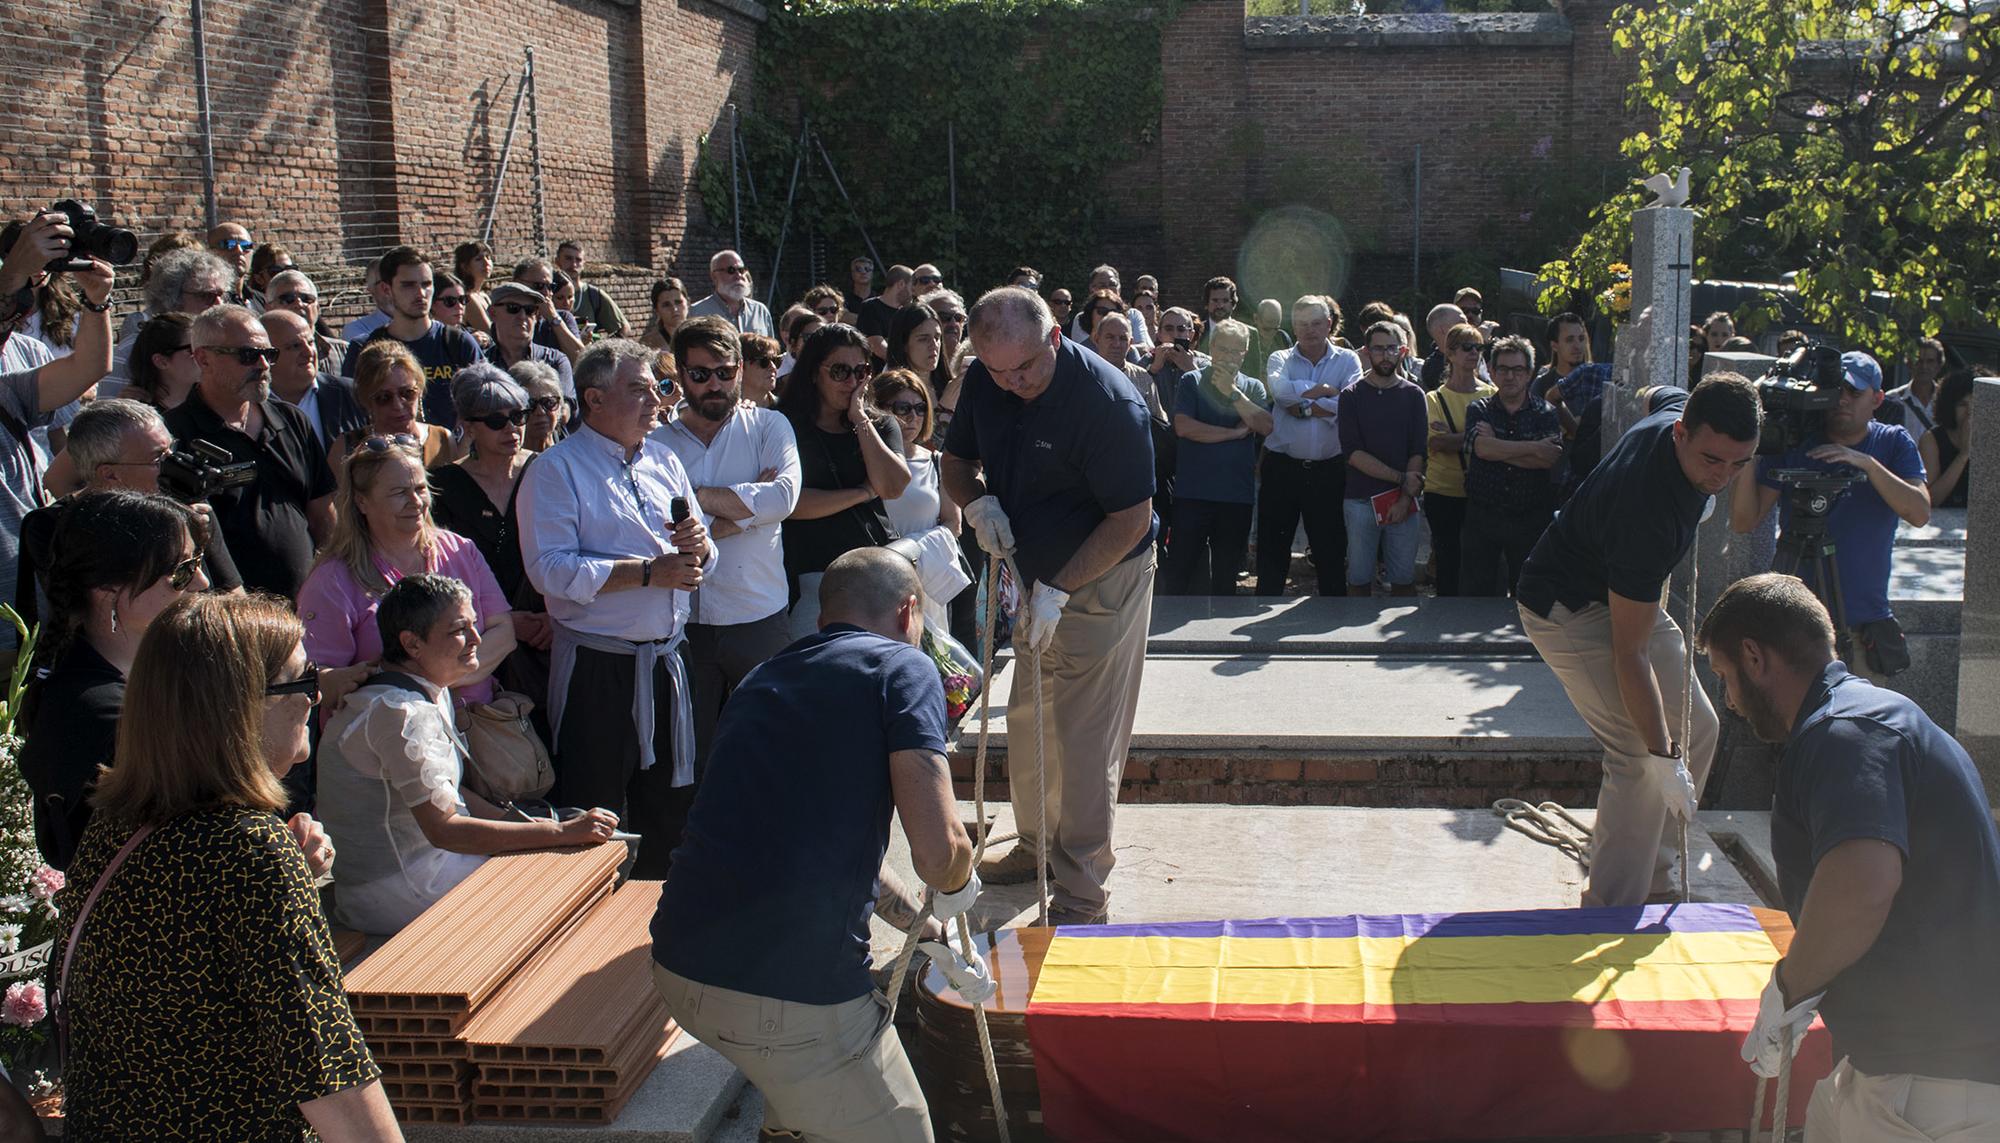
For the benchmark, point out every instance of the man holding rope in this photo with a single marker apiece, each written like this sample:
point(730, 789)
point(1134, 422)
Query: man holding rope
point(1592, 600)
point(1067, 493)
point(1889, 865)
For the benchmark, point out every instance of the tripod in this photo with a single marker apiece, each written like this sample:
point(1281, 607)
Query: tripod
point(1806, 550)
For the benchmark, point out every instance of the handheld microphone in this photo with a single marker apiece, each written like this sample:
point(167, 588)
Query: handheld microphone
point(678, 510)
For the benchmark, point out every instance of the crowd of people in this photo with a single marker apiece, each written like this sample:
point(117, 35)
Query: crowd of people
point(493, 529)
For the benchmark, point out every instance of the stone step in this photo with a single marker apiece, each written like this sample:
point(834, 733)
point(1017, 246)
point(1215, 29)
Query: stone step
point(1314, 625)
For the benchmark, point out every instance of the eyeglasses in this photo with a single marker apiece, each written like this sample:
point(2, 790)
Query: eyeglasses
point(237, 244)
point(385, 444)
point(951, 319)
point(518, 309)
point(183, 573)
point(700, 374)
point(248, 354)
point(306, 684)
point(732, 269)
point(541, 287)
point(839, 372)
point(1385, 350)
point(1031, 285)
point(906, 408)
point(929, 280)
point(761, 362)
point(828, 312)
point(498, 421)
point(1472, 312)
point(300, 298)
point(1466, 347)
point(392, 396)
point(1060, 303)
point(452, 300)
point(546, 404)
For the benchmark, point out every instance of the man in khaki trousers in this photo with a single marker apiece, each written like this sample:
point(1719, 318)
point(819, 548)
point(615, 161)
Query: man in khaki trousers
point(1592, 600)
point(1051, 454)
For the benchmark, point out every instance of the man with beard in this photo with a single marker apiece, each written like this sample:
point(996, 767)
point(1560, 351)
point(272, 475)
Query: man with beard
point(274, 523)
point(731, 300)
point(403, 290)
point(1383, 430)
point(1863, 522)
point(1592, 600)
point(744, 463)
point(1889, 865)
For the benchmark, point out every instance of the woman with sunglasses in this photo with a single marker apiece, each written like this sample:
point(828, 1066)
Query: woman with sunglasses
point(850, 460)
point(1444, 468)
point(923, 513)
point(389, 384)
point(204, 995)
point(391, 766)
point(382, 531)
point(670, 309)
point(472, 264)
point(760, 369)
point(163, 367)
point(119, 559)
point(475, 498)
point(448, 302)
point(548, 409)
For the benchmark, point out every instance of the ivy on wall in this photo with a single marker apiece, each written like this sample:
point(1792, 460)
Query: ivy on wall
point(1042, 99)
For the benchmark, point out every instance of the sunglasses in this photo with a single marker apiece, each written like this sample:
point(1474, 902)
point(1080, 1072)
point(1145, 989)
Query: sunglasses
point(238, 244)
point(1031, 285)
point(760, 362)
point(306, 684)
point(385, 444)
point(1472, 312)
point(828, 312)
point(732, 269)
point(296, 298)
point(951, 319)
point(392, 396)
point(546, 404)
point(247, 355)
point(839, 372)
point(929, 280)
point(518, 309)
point(906, 408)
point(182, 574)
point(541, 287)
point(452, 300)
point(700, 374)
point(1060, 303)
point(1467, 347)
point(498, 421)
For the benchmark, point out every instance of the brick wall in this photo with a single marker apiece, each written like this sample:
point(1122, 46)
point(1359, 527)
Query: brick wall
point(345, 126)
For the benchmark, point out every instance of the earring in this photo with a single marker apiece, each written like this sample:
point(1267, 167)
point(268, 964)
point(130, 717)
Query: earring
point(114, 620)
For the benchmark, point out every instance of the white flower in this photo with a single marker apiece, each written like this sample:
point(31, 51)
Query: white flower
point(16, 903)
point(10, 938)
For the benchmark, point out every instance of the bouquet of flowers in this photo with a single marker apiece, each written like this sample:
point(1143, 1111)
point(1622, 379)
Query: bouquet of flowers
point(27, 886)
point(959, 670)
point(1617, 300)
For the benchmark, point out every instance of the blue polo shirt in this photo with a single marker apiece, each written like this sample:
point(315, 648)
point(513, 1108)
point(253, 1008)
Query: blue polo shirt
point(1629, 525)
point(774, 881)
point(1060, 463)
point(1866, 762)
point(1862, 526)
point(1222, 471)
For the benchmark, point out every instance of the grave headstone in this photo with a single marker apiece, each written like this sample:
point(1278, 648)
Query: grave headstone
point(1979, 618)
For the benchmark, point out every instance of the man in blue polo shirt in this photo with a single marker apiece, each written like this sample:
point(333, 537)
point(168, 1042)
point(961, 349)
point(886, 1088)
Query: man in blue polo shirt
point(1889, 865)
point(1067, 491)
point(1592, 600)
point(1862, 525)
point(760, 944)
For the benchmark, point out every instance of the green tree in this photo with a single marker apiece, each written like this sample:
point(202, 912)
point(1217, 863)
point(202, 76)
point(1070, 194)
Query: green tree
point(1866, 163)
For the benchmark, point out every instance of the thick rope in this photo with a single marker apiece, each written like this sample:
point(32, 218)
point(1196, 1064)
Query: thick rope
point(1041, 796)
point(1781, 1112)
point(1549, 824)
point(1688, 683)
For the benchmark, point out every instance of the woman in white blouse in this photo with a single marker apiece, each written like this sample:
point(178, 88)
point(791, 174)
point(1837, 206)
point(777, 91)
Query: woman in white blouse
point(391, 761)
point(923, 514)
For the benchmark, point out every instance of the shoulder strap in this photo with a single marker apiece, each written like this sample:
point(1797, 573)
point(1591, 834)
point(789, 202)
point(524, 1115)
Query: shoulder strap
point(76, 930)
point(396, 679)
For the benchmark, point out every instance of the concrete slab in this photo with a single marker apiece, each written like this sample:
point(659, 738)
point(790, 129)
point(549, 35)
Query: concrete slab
point(1312, 625)
point(1192, 863)
point(1927, 573)
point(683, 1101)
point(1300, 703)
point(1946, 529)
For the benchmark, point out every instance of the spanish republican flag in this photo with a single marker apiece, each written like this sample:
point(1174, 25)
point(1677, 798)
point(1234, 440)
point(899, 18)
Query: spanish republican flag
point(1464, 1026)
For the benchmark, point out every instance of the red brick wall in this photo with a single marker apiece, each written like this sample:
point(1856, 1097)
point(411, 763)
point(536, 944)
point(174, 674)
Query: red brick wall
point(345, 126)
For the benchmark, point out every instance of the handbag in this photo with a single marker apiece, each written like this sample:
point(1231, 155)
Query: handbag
point(508, 761)
point(1884, 646)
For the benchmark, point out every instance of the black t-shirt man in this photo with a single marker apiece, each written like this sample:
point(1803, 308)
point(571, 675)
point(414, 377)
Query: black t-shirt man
point(264, 521)
point(1627, 527)
point(1864, 762)
point(874, 318)
point(442, 351)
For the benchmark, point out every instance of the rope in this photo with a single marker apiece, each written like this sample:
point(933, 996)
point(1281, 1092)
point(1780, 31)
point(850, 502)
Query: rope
point(1780, 1112)
point(1549, 824)
point(1688, 683)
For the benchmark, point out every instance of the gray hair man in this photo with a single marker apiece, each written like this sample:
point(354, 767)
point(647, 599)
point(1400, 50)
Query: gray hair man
point(1305, 471)
point(327, 401)
point(731, 300)
point(1067, 492)
point(293, 290)
point(183, 281)
point(615, 540)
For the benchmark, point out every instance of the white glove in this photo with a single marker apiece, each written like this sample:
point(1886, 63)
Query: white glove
point(1776, 1026)
point(945, 906)
point(969, 978)
point(990, 524)
point(1037, 626)
point(1675, 783)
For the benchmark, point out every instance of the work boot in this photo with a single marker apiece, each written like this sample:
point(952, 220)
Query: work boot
point(1015, 867)
point(1074, 915)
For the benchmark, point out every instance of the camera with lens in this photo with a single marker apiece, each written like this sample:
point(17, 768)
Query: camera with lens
point(92, 239)
point(1796, 393)
point(194, 473)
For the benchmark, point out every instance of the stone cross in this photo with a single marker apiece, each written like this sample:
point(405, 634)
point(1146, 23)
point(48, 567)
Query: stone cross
point(1662, 269)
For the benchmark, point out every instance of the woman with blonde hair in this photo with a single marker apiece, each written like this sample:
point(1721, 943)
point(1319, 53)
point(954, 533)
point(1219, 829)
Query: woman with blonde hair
point(200, 987)
point(923, 514)
point(382, 531)
point(389, 384)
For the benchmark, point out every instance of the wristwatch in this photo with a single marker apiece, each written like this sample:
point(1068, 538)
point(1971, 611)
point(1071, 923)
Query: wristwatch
point(646, 573)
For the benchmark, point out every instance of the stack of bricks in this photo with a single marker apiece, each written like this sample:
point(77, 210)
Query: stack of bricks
point(494, 964)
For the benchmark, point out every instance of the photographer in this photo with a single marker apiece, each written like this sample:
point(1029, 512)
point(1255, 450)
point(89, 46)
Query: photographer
point(29, 400)
point(1889, 866)
point(1862, 524)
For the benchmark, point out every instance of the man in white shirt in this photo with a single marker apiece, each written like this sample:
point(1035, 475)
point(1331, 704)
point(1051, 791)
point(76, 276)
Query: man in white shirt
point(601, 543)
point(744, 464)
point(1305, 474)
point(1918, 399)
point(731, 300)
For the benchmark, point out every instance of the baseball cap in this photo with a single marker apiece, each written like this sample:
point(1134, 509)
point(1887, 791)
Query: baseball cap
point(1860, 370)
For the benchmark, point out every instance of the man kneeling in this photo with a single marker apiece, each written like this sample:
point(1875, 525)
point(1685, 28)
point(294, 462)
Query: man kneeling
point(761, 939)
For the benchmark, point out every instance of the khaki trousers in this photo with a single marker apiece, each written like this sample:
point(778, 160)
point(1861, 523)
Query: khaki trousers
point(1634, 847)
point(1849, 1107)
point(832, 1072)
point(1090, 691)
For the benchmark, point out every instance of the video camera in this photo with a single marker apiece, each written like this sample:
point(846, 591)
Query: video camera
point(1796, 393)
point(92, 239)
point(200, 470)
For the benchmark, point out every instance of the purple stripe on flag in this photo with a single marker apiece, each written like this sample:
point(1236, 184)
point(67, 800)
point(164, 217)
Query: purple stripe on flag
point(1692, 918)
